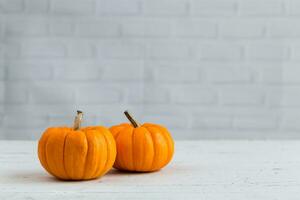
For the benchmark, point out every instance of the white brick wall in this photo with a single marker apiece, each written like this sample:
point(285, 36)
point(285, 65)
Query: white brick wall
point(204, 68)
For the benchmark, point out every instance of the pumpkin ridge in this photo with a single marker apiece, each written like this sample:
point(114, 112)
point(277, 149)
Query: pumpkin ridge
point(67, 175)
point(153, 149)
point(132, 150)
point(46, 157)
point(107, 156)
point(157, 129)
point(98, 164)
point(167, 138)
point(167, 142)
point(130, 166)
point(112, 152)
point(45, 154)
point(75, 163)
point(116, 137)
point(55, 166)
point(144, 144)
point(122, 161)
point(108, 153)
point(87, 150)
point(117, 134)
point(67, 136)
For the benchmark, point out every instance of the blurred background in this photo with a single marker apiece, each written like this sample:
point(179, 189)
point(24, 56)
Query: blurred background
point(206, 69)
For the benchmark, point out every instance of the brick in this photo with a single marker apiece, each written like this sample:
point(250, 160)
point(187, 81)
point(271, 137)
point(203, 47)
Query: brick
point(272, 74)
point(169, 120)
point(219, 52)
point(2, 71)
point(2, 33)
point(97, 95)
point(26, 27)
point(123, 71)
point(290, 122)
point(36, 6)
point(60, 120)
point(274, 96)
point(284, 96)
point(134, 93)
point(136, 112)
point(284, 28)
point(152, 64)
point(279, 75)
point(147, 74)
point(121, 50)
point(80, 50)
point(104, 28)
point(16, 93)
point(77, 70)
point(229, 75)
point(20, 71)
point(2, 91)
point(27, 133)
point(213, 7)
point(52, 109)
point(118, 7)
point(2, 107)
point(51, 94)
point(67, 120)
point(155, 94)
point(72, 6)
point(255, 122)
point(2, 51)
point(295, 52)
point(241, 29)
point(3, 133)
point(176, 74)
point(43, 49)
point(26, 120)
point(241, 96)
point(164, 7)
point(267, 52)
point(194, 28)
point(211, 122)
point(12, 49)
point(167, 50)
point(11, 5)
point(293, 7)
point(261, 7)
point(193, 95)
point(109, 120)
point(146, 28)
point(61, 27)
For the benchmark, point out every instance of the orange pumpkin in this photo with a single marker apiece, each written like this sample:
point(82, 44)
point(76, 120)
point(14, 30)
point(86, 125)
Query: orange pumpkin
point(142, 148)
point(77, 153)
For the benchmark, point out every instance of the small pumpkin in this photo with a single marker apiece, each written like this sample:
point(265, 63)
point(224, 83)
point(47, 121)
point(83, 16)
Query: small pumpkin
point(142, 148)
point(77, 153)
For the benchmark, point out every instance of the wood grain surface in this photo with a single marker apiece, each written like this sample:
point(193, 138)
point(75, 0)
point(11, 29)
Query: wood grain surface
point(234, 170)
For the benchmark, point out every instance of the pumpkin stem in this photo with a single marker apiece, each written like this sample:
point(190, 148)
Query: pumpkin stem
point(77, 121)
point(130, 118)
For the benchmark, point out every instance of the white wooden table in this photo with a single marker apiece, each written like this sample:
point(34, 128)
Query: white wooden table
point(234, 170)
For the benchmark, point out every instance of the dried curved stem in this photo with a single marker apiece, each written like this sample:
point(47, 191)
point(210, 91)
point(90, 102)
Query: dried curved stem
point(130, 118)
point(77, 121)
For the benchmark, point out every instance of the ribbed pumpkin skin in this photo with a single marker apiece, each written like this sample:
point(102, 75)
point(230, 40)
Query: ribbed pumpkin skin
point(81, 154)
point(146, 148)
